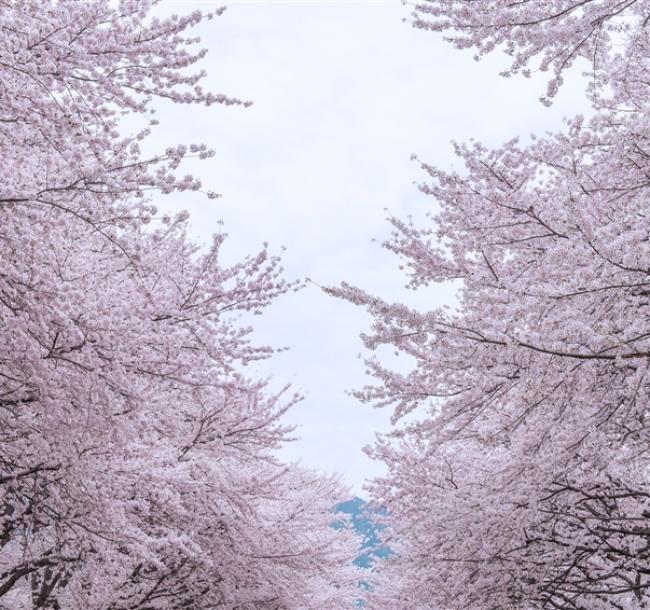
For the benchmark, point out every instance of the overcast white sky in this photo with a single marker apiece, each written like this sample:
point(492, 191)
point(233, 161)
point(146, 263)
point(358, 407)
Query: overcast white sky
point(344, 93)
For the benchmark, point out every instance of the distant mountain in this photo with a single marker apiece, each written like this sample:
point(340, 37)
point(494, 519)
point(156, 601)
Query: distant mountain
point(362, 520)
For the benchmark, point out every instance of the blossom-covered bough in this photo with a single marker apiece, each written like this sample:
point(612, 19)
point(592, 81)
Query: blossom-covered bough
point(520, 478)
point(137, 466)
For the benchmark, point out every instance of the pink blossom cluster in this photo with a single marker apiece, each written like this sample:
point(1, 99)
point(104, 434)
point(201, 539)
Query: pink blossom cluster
point(518, 466)
point(137, 459)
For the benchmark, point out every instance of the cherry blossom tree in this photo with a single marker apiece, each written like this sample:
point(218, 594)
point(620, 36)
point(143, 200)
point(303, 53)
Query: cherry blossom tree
point(518, 465)
point(137, 465)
